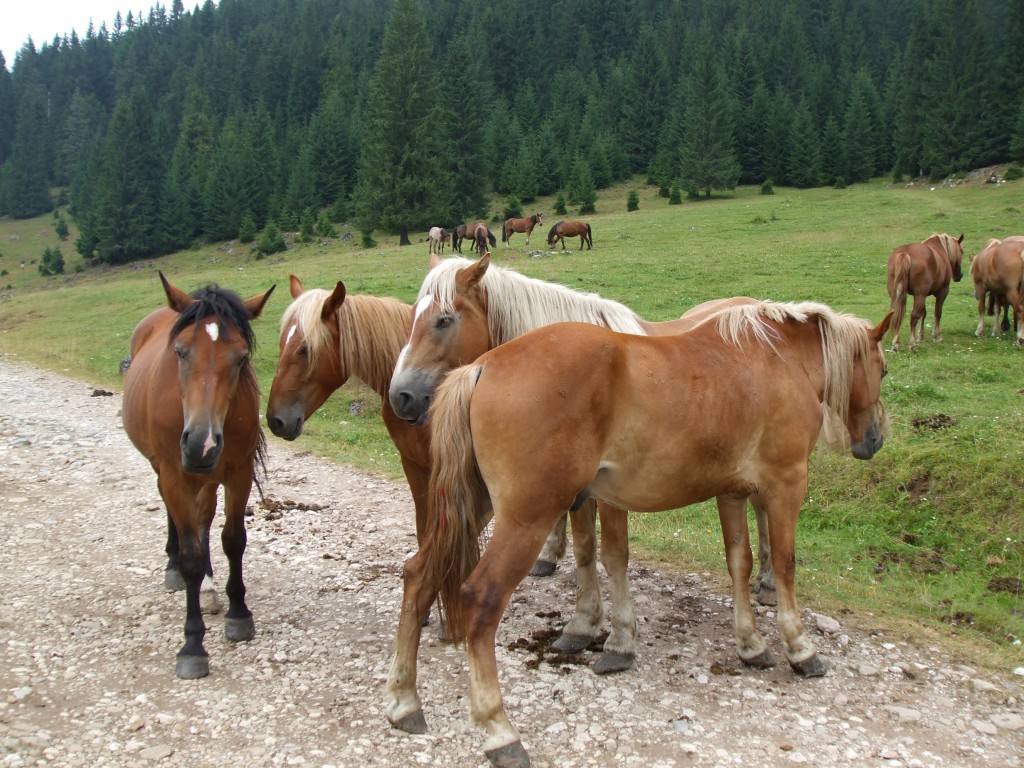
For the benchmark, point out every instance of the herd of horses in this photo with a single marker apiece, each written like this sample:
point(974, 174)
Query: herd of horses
point(480, 236)
point(609, 412)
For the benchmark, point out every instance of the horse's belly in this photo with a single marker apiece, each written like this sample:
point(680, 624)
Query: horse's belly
point(655, 489)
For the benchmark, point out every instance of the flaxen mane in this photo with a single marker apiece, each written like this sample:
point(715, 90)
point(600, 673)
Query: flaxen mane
point(518, 304)
point(372, 330)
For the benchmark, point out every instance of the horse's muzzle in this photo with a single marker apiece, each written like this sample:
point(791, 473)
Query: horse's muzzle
point(410, 394)
point(869, 445)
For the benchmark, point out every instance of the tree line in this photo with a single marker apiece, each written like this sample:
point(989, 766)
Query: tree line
point(185, 126)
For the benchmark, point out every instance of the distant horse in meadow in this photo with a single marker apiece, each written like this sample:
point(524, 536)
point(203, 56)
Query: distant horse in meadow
point(191, 407)
point(437, 237)
point(921, 270)
point(999, 268)
point(564, 229)
point(469, 231)
point(511, 226)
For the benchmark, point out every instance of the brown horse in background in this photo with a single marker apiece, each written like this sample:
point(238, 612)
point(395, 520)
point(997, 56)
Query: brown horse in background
point(921, 270)
point(526, 225)
point(999, 268)
point(564, 229)
point(191, 407)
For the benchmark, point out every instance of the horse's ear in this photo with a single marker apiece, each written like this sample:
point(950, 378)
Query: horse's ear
point(434, 261)
point(295, 286)
point(879, 331)
point(478, 270)
point(256, 303)
point(961, 238)
point(177, 299)
point(334, 301)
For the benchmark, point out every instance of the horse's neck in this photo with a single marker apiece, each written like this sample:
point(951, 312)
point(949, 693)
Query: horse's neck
point(372, 333)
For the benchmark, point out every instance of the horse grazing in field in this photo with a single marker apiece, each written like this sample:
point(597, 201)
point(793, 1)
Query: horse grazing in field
point(191, 407)
point(921, 270)
point(731, 409)
point(999, 268)
point(564, 229)
point(511, 226)
point(437, 237)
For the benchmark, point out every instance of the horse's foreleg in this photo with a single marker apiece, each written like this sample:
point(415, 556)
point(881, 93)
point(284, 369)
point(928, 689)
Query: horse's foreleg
point(783, 507)
point(418, 479)
point(238, 622)
point(172, 573)
point(485, 594)
point(1016, 299)
point(764, 582)
point(620, 648)
point(732, 512)
point(192, 661)
point(981, 313)
point(403, 709)
point(585, 623)
point(554, 550)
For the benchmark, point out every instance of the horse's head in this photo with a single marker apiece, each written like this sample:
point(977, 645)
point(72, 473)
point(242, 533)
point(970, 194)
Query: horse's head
point(865, 418)
point(449, 329)
point(955, 249)
point(309, 368)
point(212, 339)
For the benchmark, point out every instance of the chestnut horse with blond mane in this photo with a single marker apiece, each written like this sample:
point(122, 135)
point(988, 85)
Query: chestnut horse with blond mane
point(731, 409)
point(999, 268)
point(921, 270)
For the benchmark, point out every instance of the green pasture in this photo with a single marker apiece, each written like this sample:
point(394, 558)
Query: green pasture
point(924, 540)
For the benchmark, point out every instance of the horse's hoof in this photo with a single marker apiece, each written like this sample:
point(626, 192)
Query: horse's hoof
point(414, 723)
point(239, 630)
point(763, 660)
point(609, 662)
point(209, 603)
point(572, 643)
point(812, 666)
point(767, 596)
point(173, 581)
point(192, 667)
point(510, 756)
point(543, 568)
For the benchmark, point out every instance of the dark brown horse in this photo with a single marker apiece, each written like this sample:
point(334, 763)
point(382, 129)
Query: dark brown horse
point(470, 232)
point(730, 410)
point(999, 268)
point(511, 226)
point(564, 229)
point(921, 270)
point(191, 407)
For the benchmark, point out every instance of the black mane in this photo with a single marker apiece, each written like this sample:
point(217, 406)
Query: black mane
point(223, 304)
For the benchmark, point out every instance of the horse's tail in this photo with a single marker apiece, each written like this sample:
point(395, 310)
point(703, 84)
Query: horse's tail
point(551, 233)
point(504, 231)
point(590, 236)
point(457, 500)
point(490, 236)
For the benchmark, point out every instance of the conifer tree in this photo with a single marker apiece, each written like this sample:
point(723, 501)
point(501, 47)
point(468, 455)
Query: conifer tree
point(707, 155)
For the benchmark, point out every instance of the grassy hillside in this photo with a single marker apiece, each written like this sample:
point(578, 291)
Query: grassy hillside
point(928, 533)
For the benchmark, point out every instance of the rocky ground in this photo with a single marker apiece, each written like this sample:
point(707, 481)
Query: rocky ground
point(88, 637)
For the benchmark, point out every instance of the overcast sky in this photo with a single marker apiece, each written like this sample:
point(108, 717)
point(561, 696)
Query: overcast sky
point(42, 19)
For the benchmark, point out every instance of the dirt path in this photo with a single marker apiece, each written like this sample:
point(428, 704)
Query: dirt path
point(88, 637)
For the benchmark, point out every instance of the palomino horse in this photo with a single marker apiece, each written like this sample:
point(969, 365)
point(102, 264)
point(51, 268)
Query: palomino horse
point(731, 409)
point(526, 225)
point(564, 229)
point(191, 406)
point(437, 237)
point(921, 270)
point(999, 268)
point(464, 309)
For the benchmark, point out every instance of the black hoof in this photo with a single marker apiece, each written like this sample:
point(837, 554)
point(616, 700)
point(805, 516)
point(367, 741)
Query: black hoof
point(510, 756)
point(810, 667)
point(173, 581)
point(192, 667)
point(414, 723)
point(609, 662)
point(763, 660)
point(572, 643)
point(239, 630)
point(543, 568)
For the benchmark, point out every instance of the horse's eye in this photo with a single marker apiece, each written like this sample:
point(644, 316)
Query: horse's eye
point(180, 351)
point(444, 321)
point(303, 351)
point(243, 360)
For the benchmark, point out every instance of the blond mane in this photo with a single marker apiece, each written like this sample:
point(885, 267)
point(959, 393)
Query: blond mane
point(372, 332)
point(517, 304)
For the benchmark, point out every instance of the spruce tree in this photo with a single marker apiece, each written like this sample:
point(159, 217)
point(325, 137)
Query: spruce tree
point(804, 167)
point(707, 155)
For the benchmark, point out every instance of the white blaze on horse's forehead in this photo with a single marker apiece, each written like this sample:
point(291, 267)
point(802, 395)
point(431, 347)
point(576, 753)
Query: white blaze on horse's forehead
point(214, 330)
point(291, 332)
point(421, 306)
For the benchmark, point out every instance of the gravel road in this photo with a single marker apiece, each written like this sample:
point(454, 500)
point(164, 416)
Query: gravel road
point(88, 636)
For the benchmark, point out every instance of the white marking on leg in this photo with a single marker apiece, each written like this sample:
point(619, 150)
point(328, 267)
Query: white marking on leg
point(214, 330)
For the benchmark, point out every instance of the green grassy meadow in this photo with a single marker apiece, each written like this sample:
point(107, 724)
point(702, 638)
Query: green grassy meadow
point(924, 540)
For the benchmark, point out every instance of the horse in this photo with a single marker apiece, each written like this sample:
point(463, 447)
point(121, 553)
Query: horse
point(437, 237)
point(999, 268)
point(564, 229)
point(526, 225)
point(729, 410)
point(464, 309)
point(922, 269)
point(191, 407)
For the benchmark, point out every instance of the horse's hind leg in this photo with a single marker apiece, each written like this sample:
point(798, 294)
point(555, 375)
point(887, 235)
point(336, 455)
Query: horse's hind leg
point(238, 622)
point(936, 332)
point(554, 550)
point(752, 649)
point(917, 316)
point(585, 623)
point(764, 582)
point(620, 648)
